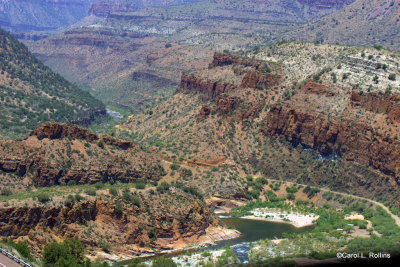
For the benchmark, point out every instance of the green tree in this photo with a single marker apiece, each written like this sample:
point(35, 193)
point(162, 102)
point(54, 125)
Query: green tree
point(163, 262)
point(69, 253)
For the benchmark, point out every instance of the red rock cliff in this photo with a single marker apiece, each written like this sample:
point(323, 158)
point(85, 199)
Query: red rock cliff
point(208, 89)
point(355, 141)
point(161, 220)
point(378, 103)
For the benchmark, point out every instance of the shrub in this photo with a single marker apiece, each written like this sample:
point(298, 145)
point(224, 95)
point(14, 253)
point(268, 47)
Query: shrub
point(113, 191)
point(78, 197)
point(311, 191)
point(193, 191)
point(136, 200)
point(68, 253)
point(135, 263)
point(163, 187)
point(70, 199)
point(392, 77)
point(262, 180)
point(43, 198)
point(71, 183)
point(22, 249)
point(291, 196)
point(98, 185)
point(90, 192)
point(272, 196)
point(118, 209)
point(174, 166)
point(6, 192)
point(140, 184)
point(163, 262)
point(101, 144)
point(292, 189)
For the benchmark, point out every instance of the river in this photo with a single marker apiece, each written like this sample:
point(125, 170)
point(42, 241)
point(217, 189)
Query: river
point(252, 231)
point(114, 114)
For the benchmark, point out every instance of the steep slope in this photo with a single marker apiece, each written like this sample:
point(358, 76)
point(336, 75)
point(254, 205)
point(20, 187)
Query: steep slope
point(132, 223)
point(30, 93)
point(41, 15)
point(56, 154)
point(64, 181)
point(360, 23)
point(141, 54)
point(317, 114)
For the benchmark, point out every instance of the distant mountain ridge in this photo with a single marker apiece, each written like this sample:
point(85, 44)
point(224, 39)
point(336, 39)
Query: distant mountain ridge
point(50, 15)
point(103, 8)
point(157, 44)
point(41, 15)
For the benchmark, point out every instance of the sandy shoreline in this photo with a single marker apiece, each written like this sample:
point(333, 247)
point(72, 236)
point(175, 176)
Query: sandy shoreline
point(295, 219)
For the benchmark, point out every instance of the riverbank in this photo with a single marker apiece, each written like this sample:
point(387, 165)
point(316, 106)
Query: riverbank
point(296, 219)
point(210, 238)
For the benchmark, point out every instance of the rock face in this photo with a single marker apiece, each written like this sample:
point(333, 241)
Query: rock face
point(260, 80)
point(58, 153)
point(378, 103)
point(58, 131)
point(256, 77)
point(250, 74)
point(207, 89)
point(354, 141)
point(159, 221)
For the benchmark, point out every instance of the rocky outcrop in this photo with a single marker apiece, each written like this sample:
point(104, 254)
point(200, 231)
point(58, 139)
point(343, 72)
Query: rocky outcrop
point(253, 74)
point(317, 88)
point(260, 80)
point(205, 111)
point(215, 161)
point(207, 89)
point(354, 141)
point(53, 130)
point(56, 154)
point(86, 121)
point(159, 221)
point(223, 59)
point(378, 103)
point(14, 164)
point(238, 108)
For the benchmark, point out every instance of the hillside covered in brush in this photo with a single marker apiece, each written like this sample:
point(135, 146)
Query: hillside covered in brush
point(359, 23)
point(324, 115)
point(31, 93)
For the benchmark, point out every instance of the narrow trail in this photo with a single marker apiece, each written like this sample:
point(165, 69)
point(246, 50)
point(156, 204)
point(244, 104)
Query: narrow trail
point(394, 216)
